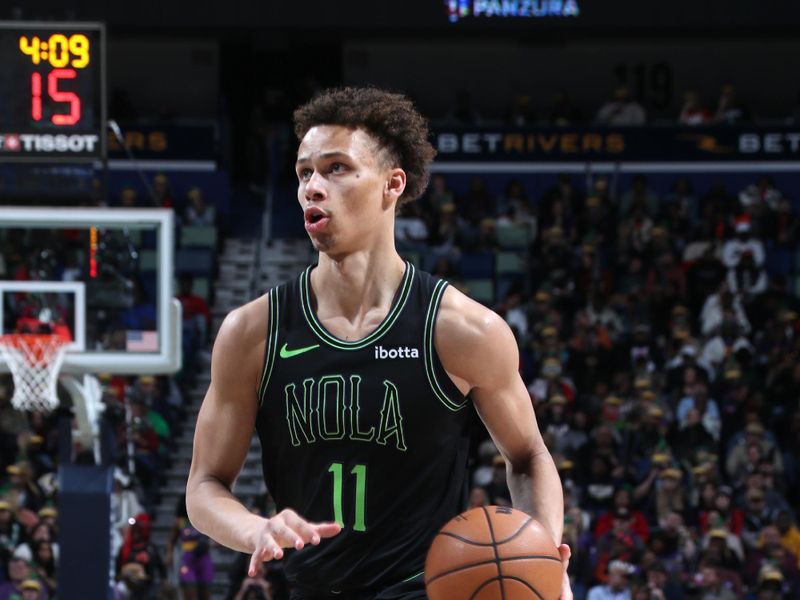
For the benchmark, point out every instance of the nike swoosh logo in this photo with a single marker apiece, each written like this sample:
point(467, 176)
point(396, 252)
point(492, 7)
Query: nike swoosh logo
point(286, 353)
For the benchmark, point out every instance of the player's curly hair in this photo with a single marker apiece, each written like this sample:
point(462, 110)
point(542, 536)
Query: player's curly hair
point(388, 117)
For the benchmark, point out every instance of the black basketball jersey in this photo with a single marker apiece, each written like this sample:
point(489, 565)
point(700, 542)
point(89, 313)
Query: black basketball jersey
point(372, 434)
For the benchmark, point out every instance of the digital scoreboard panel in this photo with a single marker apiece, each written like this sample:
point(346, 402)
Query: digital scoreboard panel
point(52, 91)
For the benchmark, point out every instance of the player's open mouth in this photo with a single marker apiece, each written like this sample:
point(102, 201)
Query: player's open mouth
point(315, 219)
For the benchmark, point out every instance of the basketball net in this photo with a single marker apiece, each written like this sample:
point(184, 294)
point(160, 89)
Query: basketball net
point(34, 360)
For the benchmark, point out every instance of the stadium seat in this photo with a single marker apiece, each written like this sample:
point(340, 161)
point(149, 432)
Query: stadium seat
point(510, 263)
point(194, 261)
point(512, 236)
point(481, 290)
point(479, 265)
point(148, 260)
point(198, 237)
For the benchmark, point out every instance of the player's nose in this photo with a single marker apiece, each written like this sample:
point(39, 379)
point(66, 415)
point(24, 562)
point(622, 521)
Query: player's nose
point(315, 187)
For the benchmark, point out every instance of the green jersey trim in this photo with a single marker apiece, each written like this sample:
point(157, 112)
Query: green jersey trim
point(386, 324)
point(428, 349)
point(272, 343)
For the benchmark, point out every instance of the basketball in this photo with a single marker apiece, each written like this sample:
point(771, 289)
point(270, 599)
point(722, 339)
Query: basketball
point(493, 553)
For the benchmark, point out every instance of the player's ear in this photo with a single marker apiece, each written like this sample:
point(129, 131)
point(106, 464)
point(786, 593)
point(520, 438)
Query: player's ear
point(395, 184)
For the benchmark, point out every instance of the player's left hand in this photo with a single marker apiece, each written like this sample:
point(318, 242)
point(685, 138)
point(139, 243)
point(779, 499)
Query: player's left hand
point(566, 590)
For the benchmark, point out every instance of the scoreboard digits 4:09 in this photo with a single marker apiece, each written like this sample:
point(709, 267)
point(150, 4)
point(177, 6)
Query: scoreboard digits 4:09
point(52, 97)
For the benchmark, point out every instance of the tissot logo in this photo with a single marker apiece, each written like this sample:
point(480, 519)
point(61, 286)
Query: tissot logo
point(31, 142)
point(382, 353)
point(520, 9)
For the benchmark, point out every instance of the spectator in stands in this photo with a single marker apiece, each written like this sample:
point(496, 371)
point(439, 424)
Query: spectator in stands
point(562, 111)
point(19, 573)
point(463, 111)
point(162, 194)
point(125, 506)
point(132, 583)
point(712, 586)
point(640, 194)
point(521, 113)
point(771, 553)
point(720, 305)
point(705, 407)
point(138, 548)
point(44, 565)
point(747, 278)
point(196, 313)
point(621, 110)
point(692, 111)
point(730, 111)
point(618, 586)
point(761, 193)
point(770, 586)
point(21, 490)
point(790, 534)
point(128, 198)
point(196, 573)
point(197, 212)
point(411, 230)
point(757, 515)
point(439, 195)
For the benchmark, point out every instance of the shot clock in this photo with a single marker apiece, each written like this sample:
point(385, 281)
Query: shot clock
point(52, 91)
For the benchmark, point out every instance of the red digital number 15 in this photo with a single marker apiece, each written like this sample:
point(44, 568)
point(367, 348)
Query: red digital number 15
point(52, 90)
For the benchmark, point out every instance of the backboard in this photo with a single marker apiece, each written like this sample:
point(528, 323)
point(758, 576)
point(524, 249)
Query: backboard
point(104, 274)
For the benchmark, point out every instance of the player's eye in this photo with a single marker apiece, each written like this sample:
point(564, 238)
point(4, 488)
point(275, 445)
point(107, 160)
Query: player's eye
point(337, 168)
point(304, 174)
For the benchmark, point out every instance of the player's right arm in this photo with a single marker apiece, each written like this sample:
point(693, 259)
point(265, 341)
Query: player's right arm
point(222, 437)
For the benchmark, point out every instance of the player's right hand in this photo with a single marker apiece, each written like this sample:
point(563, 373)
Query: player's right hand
point(287, 530)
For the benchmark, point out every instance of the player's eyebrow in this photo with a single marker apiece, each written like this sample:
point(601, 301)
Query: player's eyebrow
point(324, 155)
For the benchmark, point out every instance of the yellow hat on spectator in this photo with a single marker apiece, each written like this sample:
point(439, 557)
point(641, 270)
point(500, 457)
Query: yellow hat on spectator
point(48, 511)
point(655, 411)
point(146, 379)
point(769, 574)
point(542, 296)
point(13, 470)
point(671, 473)
point(660, 458)
point(612, 401)
point(648, 395)
point(592, 201)
point(565, 465)
point(549, 331)
point(558, 399)
point(756, 428)
point(718, 533)
point(31, 584)
point(5, 505)
point(641, 383)
point(35, 439)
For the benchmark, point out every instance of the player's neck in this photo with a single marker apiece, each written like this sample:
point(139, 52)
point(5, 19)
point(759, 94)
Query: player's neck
point(354, 284)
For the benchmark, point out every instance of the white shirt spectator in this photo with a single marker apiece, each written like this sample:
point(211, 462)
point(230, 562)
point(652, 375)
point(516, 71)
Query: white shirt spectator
point(410, 229)
point(733, 249)
point(761, 193)
point(714, 352)
point(747, 281)
point(712, 314)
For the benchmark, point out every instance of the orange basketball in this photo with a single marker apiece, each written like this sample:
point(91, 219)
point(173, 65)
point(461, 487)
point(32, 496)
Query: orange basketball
point(493, 553)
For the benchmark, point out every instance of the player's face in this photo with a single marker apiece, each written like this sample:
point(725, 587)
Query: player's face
point(343, 189)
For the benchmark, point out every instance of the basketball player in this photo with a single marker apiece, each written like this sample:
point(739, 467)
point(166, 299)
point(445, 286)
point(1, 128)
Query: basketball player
point(359, 376)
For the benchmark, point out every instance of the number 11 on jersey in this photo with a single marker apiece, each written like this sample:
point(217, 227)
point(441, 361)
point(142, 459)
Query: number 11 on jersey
point(360, 471)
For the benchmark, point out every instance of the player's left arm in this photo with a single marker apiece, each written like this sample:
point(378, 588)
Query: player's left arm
point(479, 352)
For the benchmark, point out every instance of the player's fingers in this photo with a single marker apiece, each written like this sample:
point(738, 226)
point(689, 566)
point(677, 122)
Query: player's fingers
point(326, 530)
point(307, 531)
point(565, 552)
point(285, 536)
point(267, 552)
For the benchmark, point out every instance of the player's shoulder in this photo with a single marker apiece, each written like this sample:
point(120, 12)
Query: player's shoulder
point(245, 324)
point(462, 317)
point(470, 337)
